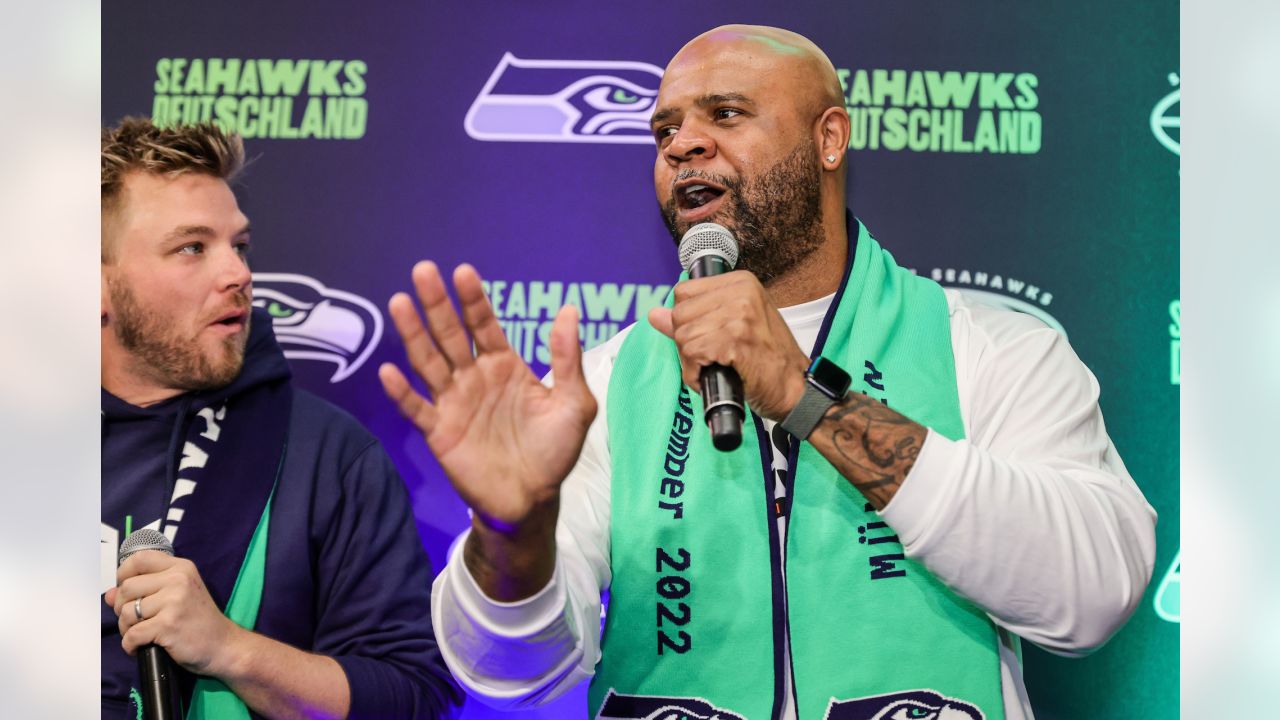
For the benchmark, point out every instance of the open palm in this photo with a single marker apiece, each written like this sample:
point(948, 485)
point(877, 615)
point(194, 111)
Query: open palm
point(504, 439)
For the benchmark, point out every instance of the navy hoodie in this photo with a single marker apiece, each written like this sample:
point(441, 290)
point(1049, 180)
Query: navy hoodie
point(346, 575)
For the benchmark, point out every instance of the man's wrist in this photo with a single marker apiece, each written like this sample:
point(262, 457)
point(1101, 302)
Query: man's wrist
point(825, 385)
point(511, 564)
point(234, 657)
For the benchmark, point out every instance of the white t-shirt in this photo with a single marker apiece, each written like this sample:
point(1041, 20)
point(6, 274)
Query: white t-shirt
point(1033, 517)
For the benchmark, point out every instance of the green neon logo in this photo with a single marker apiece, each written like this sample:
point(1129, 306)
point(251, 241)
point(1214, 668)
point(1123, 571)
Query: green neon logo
point(1168, 601)
point(136, 698)
point(622, 96)
point(276, 310)
point(1166, 118)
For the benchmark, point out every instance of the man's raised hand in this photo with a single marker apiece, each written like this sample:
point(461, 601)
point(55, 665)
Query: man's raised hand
point(505, 440)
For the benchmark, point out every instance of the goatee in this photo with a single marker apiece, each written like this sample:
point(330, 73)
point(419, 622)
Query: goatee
point(776, 216)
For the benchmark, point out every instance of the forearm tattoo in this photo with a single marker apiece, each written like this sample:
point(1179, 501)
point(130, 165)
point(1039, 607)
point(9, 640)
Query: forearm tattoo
point(873, 446)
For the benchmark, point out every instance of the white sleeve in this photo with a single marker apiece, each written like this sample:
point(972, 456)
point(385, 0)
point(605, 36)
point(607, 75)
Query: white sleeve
point(514, 655)
point(1033, 515)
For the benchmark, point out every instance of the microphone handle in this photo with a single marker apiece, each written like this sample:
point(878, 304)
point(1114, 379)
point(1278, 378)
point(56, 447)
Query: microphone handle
point(159, 689)
point(722, 399)
point(724, 409)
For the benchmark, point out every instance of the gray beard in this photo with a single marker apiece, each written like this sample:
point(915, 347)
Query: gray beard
point(776, 217)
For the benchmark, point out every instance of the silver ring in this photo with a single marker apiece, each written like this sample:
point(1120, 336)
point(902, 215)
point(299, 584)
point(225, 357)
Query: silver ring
point(137, 608)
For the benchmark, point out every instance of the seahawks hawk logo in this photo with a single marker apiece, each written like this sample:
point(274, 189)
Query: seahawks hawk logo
point(909, 705)
point(314, 322)
point(644, 707)
point(1009, 302)
point(607, 101)
point(1168, 599)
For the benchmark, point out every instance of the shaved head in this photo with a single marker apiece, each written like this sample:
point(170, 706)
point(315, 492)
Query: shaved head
point(752, 133)
point(817, 85)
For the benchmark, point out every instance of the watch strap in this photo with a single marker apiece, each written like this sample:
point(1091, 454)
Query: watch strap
point(807, 413)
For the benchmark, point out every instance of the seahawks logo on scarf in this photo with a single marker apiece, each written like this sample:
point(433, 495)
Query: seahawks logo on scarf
point(909, 705)
point(645, 707)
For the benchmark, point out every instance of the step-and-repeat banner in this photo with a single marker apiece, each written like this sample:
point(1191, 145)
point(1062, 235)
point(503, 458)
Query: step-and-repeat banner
point(1025, 153)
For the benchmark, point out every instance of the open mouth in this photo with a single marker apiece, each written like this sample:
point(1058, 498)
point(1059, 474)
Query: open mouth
point(693, 195)
point(234, 319)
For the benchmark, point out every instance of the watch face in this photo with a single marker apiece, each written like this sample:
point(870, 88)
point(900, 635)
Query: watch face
point(829, 378)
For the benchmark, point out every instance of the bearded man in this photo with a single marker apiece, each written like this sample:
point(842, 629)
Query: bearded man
point(299, 586)
point(922, 481)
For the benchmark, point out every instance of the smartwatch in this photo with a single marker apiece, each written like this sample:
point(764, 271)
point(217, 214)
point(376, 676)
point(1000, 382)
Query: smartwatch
point(825, 385)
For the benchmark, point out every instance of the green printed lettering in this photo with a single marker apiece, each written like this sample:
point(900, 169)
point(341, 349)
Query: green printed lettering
point(544, 300)
point(984, 135)
point(1175, 314)
point(161, 84)
point(1029, 132)
point(916, 95)
point(224, 111)
point(608, 299)
point(160, 111)
point(860, 93)
point(324, 78)
point(543, 353)
point(283, 108)
point(958, 143)
point(1009, 124)
point(355, 84)
point(195, 78)
point(917, 138)
point(649, 297)
point(247, 128)
point(993, 90)
point(951, 88)
point(282, 76)
point(312, 119)
point(843, 75)
point(889, 86)
point(355, 117)
point(940, 129)
point(249, 84)
point(895, 130)
point(221, 76)
point(873, 127)
point(515, 301)
point(176, 69)
point(1026, 84)
point(494, 290)
point(597, 333)
point(573, 296)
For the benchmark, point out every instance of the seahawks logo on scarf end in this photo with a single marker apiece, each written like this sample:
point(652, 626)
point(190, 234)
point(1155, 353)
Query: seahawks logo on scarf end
point(651, 707)
point(908, 705)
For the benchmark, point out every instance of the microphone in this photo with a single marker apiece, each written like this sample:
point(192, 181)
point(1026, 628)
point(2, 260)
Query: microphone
point(709, 249)
point(160, 698)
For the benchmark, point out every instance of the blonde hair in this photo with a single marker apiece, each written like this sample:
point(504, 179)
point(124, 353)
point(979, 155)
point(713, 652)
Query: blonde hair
point(137, 145)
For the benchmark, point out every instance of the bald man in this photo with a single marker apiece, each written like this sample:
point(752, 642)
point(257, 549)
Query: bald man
point(922, 481)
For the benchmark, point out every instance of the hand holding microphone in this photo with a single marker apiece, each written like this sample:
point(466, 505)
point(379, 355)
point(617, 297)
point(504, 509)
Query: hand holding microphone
point(166, 615)
point(733, 342)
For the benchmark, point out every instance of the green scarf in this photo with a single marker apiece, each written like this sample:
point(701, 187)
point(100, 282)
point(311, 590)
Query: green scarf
point(696, 619)
point(211, 699)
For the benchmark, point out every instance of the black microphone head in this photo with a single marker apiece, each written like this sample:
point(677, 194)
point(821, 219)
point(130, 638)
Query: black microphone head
point(144, 539)
point(708, 239)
